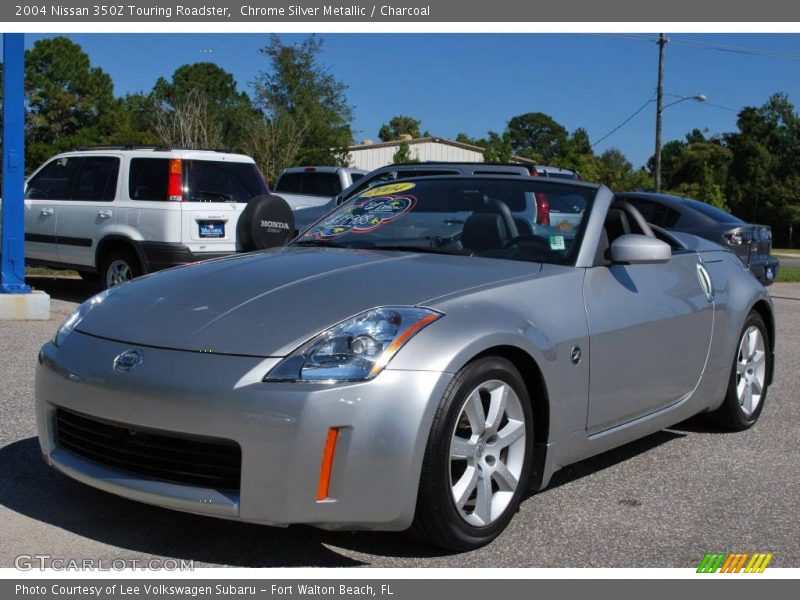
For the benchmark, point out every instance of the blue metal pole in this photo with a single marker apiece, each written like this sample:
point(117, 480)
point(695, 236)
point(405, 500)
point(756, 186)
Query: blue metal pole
point(12, 259)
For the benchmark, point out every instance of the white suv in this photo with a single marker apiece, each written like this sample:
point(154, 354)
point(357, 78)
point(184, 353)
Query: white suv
point(119, 212)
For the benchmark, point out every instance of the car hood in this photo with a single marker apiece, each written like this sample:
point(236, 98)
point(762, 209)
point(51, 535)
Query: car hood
point(268, 303)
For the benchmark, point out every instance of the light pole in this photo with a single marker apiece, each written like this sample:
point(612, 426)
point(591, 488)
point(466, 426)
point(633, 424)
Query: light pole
point(660, 109)
point(662, 41)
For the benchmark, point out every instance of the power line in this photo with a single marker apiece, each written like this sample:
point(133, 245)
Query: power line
point(625, 122)
point(736, 49)
point(707, 46)
point(643, 106)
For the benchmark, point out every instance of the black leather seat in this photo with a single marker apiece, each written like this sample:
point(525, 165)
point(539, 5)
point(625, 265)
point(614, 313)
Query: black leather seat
point(524, 226)
point(485, 231)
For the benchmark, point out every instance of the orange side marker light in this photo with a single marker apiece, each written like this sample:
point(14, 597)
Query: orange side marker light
point(324, 485)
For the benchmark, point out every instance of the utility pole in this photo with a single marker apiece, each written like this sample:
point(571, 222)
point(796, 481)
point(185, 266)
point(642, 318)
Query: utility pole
point(662, 41)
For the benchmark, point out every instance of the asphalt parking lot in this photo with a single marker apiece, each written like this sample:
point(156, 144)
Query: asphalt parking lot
point(660, 502)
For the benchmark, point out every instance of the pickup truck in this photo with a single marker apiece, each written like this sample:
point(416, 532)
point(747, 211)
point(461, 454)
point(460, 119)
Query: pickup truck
point(306, 187)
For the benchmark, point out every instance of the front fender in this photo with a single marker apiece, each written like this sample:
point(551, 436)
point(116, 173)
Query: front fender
point(548, 325)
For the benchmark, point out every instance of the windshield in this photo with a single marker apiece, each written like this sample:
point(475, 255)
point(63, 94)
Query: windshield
point(491, 218)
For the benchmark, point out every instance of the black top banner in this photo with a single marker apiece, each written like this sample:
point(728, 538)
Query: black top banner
point(409, 11)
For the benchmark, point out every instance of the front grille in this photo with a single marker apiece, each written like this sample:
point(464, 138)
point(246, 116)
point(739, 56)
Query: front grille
point(164, 456)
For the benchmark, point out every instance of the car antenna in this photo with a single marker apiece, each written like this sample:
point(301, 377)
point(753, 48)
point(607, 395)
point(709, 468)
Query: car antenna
point(752, 232)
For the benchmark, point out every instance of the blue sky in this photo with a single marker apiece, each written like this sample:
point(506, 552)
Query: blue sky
point(476, 82)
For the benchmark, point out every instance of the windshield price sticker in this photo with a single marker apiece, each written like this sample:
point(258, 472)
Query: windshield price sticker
point(364, 216)
point(557, 242)
point(387, 190)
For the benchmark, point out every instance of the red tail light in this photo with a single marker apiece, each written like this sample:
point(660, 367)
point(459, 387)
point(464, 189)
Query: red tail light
point(175, 182)
point(542, 209)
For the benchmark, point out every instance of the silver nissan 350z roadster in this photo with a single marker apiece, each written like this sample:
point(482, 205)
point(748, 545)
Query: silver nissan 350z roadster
point(419, 358)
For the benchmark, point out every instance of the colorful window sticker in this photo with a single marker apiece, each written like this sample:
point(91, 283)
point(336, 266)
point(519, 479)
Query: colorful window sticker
point(364, 215)
point(387, 190)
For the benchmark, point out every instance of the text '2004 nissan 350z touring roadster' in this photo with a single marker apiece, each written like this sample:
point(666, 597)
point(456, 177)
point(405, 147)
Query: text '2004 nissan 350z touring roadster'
point(418, 358)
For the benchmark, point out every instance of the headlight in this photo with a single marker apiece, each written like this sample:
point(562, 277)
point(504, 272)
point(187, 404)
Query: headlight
point(357, 349)
point(77, 316)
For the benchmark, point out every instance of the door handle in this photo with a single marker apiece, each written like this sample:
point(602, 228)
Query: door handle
point(46, 212)
point(705, 282)
point(104, 214)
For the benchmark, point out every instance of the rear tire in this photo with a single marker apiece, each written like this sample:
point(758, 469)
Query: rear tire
point(478, 458)
point(747, 387)
point(118, 267)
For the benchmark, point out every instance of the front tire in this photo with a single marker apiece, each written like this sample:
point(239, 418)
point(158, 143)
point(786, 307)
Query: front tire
point(747, 387)
point(478, 458)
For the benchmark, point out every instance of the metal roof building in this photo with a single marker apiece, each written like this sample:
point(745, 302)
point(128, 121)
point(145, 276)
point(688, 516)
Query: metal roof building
point(371, 156)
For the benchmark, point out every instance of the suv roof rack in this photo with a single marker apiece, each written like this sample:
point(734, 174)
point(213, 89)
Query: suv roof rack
point(153, 147)
point(462, 162)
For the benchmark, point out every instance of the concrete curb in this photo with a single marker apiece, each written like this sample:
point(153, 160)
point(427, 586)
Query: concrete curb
point(34, 306)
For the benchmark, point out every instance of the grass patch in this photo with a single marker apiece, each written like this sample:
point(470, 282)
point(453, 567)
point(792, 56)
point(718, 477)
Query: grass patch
point(788, 274)
point(792, 251)
point(47, 272)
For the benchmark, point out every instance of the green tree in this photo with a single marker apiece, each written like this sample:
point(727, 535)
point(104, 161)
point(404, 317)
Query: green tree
point(230, 110)
point(579, 155)
point(764, 165)
point(69, 102)
point(399, 126)
point(617, 172)
point(135, 121)
point(538, 136)
point(296, 85)
point(497, 146)
point(275, 142)
point(403, 154)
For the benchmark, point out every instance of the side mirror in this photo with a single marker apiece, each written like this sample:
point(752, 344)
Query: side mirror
point(635, 249)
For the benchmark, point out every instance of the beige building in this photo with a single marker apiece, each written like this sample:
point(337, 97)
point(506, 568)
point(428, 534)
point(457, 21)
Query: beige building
point(370, 156)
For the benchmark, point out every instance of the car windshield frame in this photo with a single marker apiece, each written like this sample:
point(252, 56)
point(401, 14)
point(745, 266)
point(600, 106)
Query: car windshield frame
point(346, 227)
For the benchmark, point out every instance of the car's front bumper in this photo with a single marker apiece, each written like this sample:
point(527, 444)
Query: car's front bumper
point(281, 429)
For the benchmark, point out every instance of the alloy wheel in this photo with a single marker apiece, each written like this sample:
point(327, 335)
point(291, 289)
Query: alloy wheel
point(487, 452)
point(118, 272)
point(751, 370)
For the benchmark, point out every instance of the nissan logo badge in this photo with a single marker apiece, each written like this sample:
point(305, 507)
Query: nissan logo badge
point(130, 359)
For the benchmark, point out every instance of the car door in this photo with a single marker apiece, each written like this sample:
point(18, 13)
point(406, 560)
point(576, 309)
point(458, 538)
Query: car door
point(650, 328)
point(89, 211)
point(45, 192)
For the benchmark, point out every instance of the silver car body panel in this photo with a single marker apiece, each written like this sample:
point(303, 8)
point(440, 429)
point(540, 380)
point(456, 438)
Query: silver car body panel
point(654, 350)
